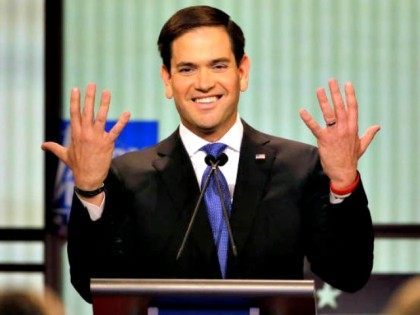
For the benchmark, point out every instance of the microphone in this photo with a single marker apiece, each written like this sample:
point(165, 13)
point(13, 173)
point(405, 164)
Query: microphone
point(211, 160)
point(214, 163)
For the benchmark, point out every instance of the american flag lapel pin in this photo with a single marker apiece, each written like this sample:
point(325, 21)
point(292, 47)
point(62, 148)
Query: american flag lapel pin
point(260, 156)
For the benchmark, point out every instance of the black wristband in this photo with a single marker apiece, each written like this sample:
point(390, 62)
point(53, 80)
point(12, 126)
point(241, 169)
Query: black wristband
point(89, 193)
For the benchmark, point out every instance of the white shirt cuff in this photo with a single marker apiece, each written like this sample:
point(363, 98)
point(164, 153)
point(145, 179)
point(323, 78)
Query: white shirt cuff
point(336, 199)
point(95, 212)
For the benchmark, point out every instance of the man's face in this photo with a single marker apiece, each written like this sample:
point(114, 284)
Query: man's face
point(205, 81)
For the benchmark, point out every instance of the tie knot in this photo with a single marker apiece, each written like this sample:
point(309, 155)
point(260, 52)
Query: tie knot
point(214, 149)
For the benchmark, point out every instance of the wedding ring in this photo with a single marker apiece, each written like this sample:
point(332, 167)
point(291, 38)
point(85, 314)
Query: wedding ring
point(331, 123)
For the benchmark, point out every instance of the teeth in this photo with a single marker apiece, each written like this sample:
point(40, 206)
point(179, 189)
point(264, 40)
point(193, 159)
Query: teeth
point(206, 100)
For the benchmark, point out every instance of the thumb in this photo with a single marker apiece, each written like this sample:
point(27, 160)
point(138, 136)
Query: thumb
point(368, 137)
point(57, 149)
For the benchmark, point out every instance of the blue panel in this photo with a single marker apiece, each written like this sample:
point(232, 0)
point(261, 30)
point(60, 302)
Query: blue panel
point(136, 135)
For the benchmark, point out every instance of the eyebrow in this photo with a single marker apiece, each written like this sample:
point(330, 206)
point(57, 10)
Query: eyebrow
point(219, 60)
point(191, 64)
point(184, 64)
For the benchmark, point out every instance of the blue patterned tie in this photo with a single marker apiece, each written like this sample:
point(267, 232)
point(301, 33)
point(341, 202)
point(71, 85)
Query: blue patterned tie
point(214, 201)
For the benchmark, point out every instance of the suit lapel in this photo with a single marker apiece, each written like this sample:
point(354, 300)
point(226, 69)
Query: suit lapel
point(176, 171)
point(255, 162)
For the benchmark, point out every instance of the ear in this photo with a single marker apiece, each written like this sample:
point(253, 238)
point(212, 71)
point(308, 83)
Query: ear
point(166, 78)
point(244, 67)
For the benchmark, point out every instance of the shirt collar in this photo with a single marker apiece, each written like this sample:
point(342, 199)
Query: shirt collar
point(193, 143)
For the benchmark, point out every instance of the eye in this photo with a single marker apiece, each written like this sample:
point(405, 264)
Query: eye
point(220, 66)
point(186, 70)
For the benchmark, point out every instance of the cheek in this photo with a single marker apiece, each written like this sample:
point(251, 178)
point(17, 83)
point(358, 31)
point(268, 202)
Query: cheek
point(231, 83)
point(181, 88)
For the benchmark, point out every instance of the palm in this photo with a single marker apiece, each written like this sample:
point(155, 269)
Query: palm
point(90, 151)
point(339, 144)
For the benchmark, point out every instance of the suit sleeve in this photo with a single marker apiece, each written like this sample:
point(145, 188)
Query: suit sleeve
point(91, 243)
point(339, 237)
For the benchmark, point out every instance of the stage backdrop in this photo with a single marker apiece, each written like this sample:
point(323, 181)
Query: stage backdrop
point(21, 133)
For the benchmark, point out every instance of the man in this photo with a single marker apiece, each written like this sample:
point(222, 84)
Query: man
point(285, 200)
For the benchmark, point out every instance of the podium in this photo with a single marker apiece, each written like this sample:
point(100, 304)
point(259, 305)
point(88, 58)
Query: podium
point(195, 296)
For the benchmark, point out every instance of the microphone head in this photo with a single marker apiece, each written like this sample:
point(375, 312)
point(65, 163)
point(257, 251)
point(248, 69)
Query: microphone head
point(210, 159)
point(223, 158)
point(220, 161)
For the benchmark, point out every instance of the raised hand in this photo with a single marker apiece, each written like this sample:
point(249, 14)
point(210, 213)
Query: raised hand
point(90, 151)
point(339, 144)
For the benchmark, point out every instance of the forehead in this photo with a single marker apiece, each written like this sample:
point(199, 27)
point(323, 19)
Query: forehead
point(202, 43)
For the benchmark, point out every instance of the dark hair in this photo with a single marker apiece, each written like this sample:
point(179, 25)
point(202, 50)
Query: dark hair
point(197, 16)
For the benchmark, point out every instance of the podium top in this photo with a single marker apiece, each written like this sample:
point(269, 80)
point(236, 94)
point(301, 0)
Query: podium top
point(135, 296)
point(191, 287)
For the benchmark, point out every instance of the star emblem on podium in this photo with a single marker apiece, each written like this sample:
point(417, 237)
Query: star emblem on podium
point(327, 296)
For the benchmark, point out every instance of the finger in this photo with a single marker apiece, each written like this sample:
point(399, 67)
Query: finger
point(75, 118)
point(119, 126)
point(100, 120)
point(327, 111)
point(310, 123)
point(368, 137)
point(89, 105)
point(352, 106)
point(339, 109)
point(58, 150)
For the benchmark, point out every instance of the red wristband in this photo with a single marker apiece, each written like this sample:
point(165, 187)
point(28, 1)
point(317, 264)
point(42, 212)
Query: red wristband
point(347, 190)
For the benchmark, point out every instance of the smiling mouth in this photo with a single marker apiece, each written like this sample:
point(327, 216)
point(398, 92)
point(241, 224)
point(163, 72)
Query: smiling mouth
point(206, 100)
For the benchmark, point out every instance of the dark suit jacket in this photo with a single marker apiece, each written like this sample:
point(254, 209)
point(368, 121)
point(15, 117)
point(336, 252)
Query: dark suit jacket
point(280, 213)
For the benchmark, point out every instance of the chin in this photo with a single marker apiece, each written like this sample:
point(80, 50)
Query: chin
point(207, 129)
point(203, 129)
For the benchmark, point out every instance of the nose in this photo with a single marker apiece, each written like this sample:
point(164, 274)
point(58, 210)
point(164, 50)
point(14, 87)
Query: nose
point(204, 80)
